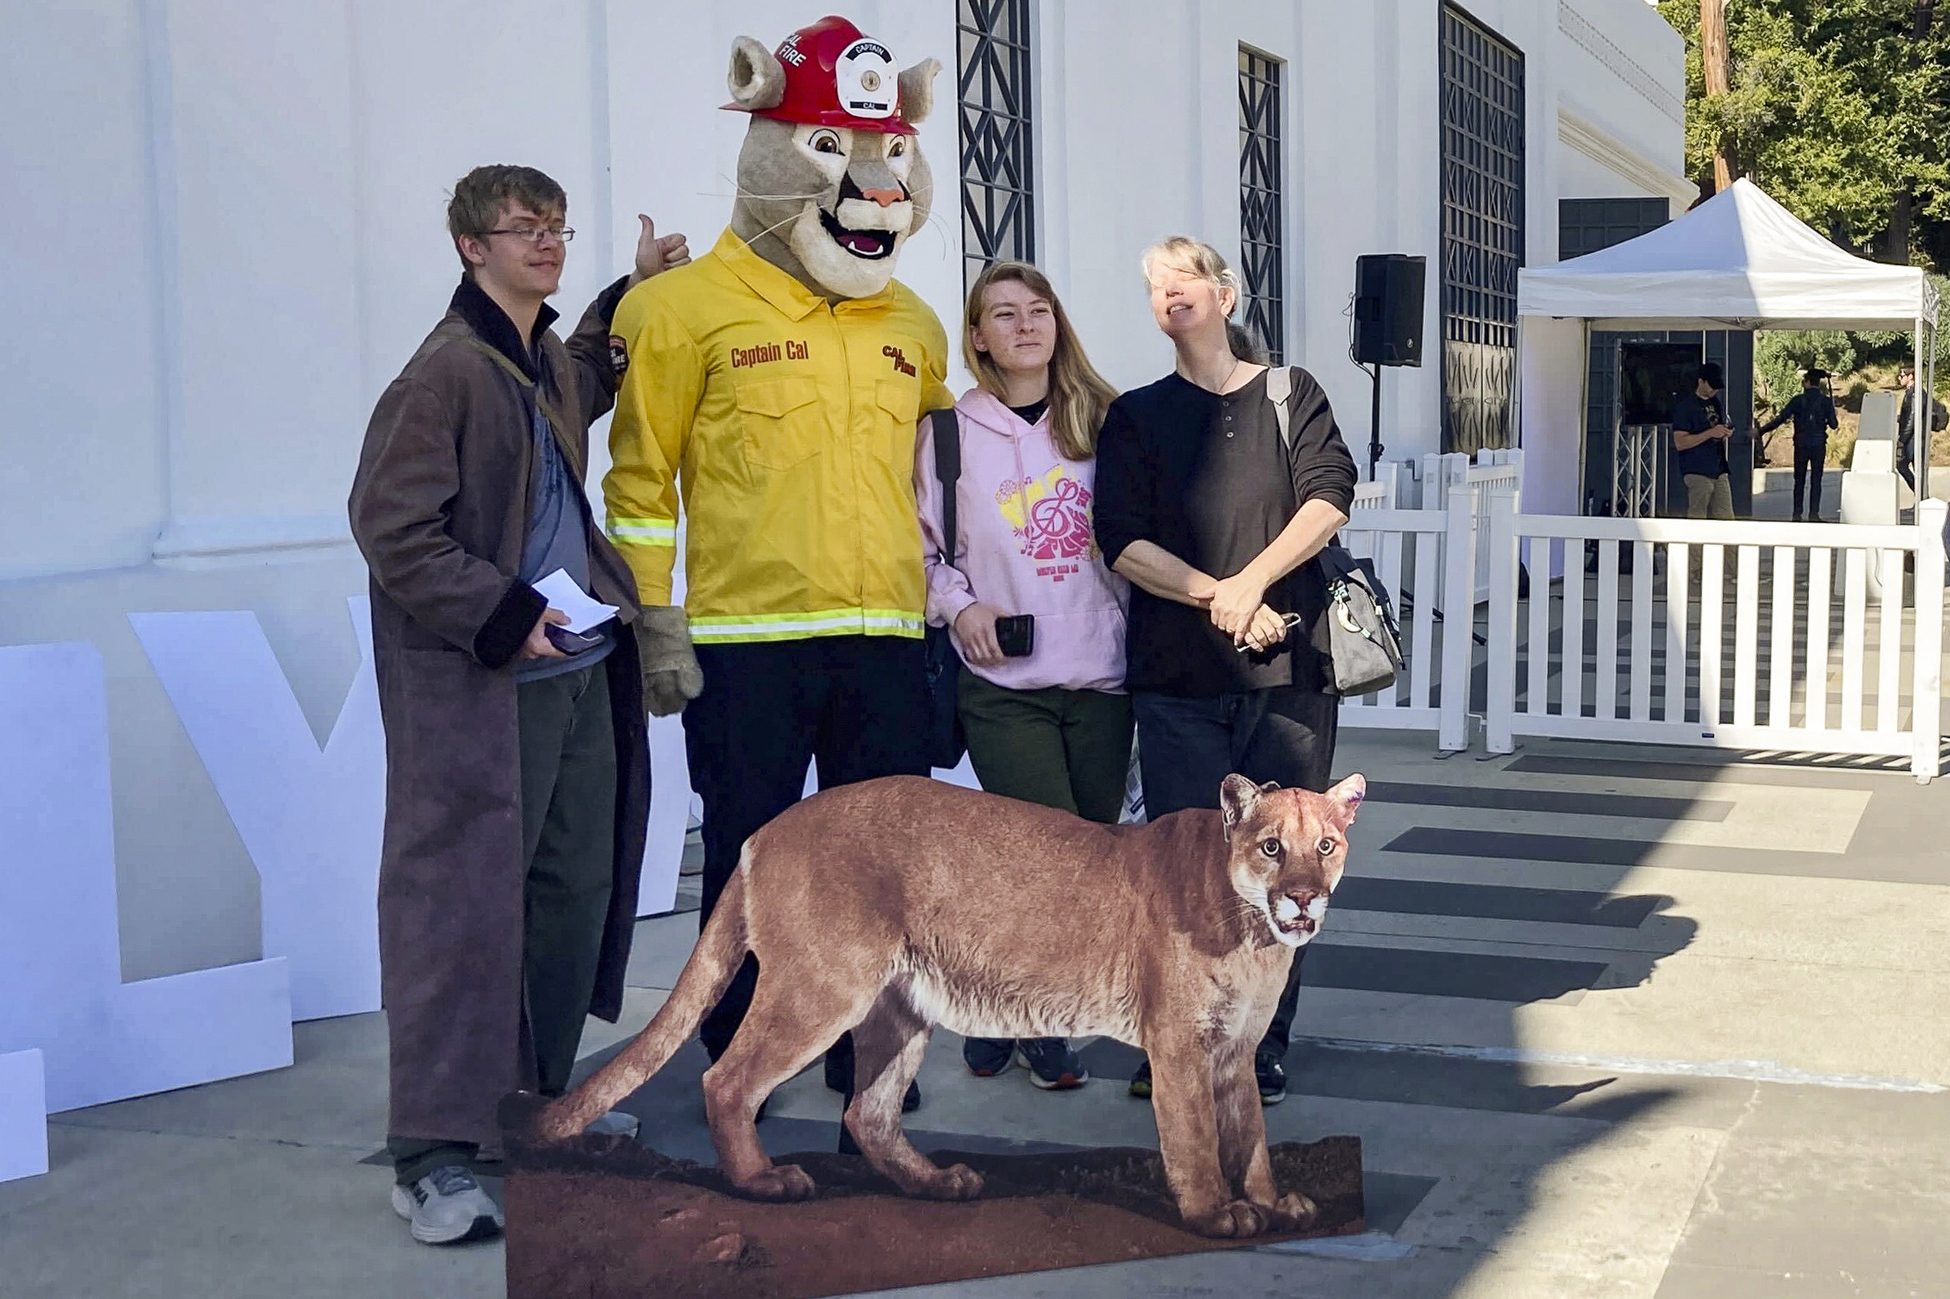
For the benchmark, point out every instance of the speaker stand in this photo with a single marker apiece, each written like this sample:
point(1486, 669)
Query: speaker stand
point(1374, 424)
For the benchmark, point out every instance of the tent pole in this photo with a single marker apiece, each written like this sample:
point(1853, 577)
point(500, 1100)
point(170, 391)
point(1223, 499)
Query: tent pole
point(1928, 376)
point(1516, 392)
point(1584, 416)
point(1919, 419)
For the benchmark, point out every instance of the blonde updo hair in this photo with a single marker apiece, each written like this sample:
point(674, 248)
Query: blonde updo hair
point(1196, 257)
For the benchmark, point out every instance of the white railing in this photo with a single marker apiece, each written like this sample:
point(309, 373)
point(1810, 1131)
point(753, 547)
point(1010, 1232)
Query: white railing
point(1383, 492)
point(1419, 555)
point(1771, 647)
point(1444, 476)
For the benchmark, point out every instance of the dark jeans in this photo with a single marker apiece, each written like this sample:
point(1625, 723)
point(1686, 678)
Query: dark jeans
point(1187, 747)
point(1906, 459)
point(568, 827)
point(1809, 457)
point(1068, 749)
point(854, 705)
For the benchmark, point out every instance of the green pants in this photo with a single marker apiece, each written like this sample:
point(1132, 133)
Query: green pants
point(568, 827)
point(1069, 749)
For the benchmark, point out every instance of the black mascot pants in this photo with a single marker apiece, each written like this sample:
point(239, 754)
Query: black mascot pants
point(854, 705)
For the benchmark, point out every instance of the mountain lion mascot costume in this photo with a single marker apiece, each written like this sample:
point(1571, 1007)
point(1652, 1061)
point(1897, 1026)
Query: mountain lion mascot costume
point(776, 382)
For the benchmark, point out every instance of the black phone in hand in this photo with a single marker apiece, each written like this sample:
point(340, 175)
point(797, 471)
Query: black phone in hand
point(1015, 636)
point(570, 642)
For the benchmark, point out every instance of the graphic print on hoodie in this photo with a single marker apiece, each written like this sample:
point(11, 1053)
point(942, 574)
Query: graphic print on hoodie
point(1051, 517)
point(1027, 545)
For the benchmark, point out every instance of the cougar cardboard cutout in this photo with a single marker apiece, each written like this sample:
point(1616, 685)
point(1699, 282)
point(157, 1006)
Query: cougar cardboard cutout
point(903, 903)
point(774, 386)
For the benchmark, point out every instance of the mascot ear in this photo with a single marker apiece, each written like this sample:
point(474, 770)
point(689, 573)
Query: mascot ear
point(917, 91)
point(757, 80)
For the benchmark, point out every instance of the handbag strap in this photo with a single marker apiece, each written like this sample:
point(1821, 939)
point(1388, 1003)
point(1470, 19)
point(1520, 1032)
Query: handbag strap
point(557, 424)
point(1279, 390)
point(1279, 387)
point(946, 427)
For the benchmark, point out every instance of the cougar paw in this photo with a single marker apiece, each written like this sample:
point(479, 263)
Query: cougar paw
point(780, 1182)
point(956, 1182)
point(1240, 1218)
point(1292, 1212)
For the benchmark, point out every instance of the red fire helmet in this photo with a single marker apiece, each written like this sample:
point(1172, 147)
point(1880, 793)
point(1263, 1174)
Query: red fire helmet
point(834, 76)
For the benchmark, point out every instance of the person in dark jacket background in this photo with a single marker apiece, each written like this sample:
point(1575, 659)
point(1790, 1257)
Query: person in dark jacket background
point(1218, 522)
point(1813, 413)
point(1906, 426)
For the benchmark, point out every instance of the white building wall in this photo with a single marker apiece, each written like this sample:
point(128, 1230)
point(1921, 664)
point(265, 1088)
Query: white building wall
point(234, 238)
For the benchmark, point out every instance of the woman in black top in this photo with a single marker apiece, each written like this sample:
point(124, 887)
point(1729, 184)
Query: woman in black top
point(1217, 522)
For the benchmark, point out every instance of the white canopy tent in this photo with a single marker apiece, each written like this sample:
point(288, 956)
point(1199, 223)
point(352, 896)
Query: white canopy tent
point(1737, 261)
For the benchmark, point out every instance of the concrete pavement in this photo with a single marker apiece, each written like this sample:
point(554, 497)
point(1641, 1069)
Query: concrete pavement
point(1610, 1021)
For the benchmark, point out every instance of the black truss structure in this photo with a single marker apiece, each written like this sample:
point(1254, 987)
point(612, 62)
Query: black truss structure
point(1261, 186)
point(1482, 230)
point(997, 157)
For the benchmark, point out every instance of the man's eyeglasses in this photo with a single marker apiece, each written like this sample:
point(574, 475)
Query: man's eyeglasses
point(563, 233)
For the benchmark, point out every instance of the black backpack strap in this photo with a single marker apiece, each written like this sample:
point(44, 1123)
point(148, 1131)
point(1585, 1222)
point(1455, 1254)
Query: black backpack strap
point(946, 426)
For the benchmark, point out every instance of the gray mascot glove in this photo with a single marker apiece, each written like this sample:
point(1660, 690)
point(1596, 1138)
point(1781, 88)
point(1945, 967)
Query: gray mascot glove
point(671, 676)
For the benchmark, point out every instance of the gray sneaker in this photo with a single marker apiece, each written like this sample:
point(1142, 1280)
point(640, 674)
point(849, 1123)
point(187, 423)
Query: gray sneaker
point(447, 1206)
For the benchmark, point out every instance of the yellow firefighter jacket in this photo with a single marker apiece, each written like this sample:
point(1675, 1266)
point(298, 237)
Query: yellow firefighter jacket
point(790, 424)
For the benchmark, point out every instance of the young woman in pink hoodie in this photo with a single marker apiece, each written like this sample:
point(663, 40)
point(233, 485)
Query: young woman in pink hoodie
point(1053, 726)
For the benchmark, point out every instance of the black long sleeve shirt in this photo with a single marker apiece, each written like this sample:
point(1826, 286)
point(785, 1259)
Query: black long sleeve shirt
point(1813, 414)
point(1207, 478)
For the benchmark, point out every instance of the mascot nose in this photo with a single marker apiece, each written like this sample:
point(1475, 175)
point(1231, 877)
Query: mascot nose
point(884, 197)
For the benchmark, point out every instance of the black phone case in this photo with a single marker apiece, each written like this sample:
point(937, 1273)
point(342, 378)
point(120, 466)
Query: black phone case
point(571, 642)
point(1016, 636)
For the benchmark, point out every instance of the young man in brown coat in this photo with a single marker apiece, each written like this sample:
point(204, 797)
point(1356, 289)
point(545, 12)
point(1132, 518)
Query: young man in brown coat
point(517, 780)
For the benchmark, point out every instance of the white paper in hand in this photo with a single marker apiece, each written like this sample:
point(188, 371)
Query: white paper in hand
point(563, 593)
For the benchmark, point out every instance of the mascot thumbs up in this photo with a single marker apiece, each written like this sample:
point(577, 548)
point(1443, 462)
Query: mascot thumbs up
point(775, 384)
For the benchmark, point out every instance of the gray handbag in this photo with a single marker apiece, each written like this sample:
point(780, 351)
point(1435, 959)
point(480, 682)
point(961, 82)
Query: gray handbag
point(1363, 637)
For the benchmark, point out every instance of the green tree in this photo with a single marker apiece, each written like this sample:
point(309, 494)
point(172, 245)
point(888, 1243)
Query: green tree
point(1837, 108)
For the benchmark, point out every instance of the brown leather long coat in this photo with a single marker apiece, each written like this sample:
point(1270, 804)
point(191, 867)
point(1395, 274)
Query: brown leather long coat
point(440, 507)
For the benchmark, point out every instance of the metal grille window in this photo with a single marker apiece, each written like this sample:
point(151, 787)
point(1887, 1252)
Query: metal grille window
point(997, 211)
point(1482, 230)
point(1260, 192)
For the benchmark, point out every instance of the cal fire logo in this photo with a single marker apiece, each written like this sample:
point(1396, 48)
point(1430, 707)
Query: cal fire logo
point(619, 355)
point(901, 363)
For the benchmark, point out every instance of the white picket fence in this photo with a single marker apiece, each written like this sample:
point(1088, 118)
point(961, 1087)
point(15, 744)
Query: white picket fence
point(1794, 648)
point(1421, 556)
point(1773, 646)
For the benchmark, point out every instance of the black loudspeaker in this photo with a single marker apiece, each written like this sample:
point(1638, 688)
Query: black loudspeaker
point(1388, 309)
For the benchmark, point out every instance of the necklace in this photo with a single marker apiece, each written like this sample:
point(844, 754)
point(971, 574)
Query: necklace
point(1223, 383)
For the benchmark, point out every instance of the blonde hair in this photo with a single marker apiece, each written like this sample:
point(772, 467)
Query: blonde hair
point(1078, 395)
point(1196, 257)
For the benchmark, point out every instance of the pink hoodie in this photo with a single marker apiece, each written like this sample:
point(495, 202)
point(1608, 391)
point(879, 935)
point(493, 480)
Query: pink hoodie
point(1027, 545)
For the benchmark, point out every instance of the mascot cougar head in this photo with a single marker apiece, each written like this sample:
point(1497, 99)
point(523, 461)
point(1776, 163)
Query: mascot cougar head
point(831, 181)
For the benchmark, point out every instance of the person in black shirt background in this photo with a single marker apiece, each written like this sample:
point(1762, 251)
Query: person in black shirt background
point(1813, 413)
point(1217, 523)
point(1699, 444)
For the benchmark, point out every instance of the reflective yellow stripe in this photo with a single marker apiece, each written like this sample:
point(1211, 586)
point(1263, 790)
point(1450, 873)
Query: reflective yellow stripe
point(643, 532)
point(795, 626)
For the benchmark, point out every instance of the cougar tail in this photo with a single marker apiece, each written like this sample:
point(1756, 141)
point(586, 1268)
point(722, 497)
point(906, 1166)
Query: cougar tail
point(720, 951)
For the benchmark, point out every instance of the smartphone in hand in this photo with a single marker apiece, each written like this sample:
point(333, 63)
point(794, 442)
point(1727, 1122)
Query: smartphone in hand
point(570, 642)
point(1016, 636)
